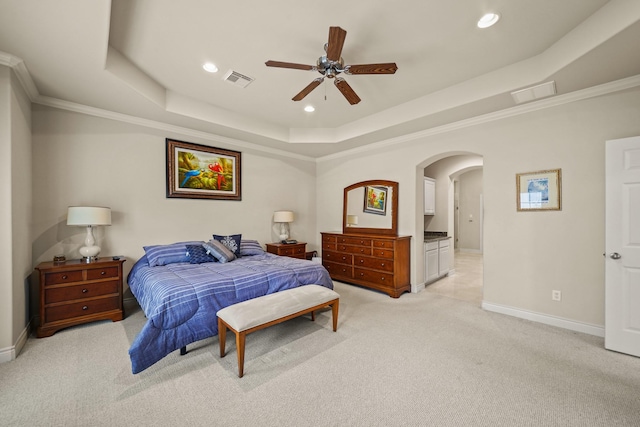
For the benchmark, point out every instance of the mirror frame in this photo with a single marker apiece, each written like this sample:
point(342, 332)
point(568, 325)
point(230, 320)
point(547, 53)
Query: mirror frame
point(394, 209)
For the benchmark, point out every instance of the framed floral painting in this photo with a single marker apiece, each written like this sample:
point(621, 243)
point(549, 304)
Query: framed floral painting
point(375, 200)
point(197, 171)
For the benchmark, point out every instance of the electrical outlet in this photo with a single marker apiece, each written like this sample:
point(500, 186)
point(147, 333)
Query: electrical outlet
point(556, 295)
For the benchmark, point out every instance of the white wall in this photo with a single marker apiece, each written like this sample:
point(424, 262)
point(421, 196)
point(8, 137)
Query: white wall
point(526, 254)
point(470, 188)
point(15, 216)
point(80, 159)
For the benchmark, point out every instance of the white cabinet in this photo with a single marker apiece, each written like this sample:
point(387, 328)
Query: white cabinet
point(443, 257)
point(436, 259)
point(429, 196)
point(430, 261)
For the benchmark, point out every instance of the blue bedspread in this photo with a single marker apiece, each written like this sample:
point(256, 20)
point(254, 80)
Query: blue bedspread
point(181, 300)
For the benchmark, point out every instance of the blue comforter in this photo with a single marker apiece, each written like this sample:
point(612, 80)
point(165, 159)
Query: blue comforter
point(181, 300)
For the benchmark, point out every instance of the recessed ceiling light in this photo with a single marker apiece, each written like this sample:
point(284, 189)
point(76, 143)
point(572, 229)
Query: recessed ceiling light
point(488, 20)
point(210, 67)
point(309, 109)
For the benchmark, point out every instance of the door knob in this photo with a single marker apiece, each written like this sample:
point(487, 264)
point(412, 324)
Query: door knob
point(615, 255)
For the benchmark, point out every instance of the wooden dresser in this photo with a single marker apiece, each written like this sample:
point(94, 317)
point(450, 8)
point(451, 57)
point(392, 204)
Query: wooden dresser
point(75, 292)
point(380, 262)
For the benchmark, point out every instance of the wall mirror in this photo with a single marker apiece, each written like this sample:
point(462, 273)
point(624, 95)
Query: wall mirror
point(370, 207)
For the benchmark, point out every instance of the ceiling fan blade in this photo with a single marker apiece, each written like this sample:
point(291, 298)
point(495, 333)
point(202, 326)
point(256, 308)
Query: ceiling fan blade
point(385, 68)
point(336, 42)
point(346, 90)
point(307, 90)
point(290, 65)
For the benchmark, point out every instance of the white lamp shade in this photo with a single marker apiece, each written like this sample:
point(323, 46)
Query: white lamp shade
point(88, 215)
point(352, 219)
point(283, 216)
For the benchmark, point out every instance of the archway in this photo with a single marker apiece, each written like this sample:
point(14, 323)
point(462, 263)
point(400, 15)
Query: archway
point(448, 169)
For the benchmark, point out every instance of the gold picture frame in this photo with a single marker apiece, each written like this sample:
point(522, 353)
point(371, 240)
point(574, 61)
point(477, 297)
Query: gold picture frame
point(539, 191)
point(197, 171)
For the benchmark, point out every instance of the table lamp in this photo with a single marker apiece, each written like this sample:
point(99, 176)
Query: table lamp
point(284, 218)
point(352, 220)
point(89, 216)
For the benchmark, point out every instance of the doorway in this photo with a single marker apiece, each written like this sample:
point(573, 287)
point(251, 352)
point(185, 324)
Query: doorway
point(458, 213)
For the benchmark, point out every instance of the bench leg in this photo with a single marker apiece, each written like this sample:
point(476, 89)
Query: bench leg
point(240, 339)
point(334, 314)
point(313, 316)
point(222, 336)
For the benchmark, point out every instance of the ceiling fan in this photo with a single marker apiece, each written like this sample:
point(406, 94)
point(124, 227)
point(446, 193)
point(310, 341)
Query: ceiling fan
point(332, 64)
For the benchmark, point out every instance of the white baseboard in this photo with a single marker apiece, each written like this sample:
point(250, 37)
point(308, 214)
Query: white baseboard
point(10, 353)
point(546, 319)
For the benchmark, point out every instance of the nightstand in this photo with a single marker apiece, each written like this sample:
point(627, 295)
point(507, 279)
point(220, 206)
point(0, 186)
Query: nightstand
point(75, 292)
point(293, 250)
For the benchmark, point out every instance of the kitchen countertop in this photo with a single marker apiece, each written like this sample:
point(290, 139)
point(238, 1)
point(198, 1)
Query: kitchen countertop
point(435, 236)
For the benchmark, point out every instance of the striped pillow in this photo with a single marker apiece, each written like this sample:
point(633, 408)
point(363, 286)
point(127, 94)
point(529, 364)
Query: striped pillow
point(218, 251)
point(198, 254)
point(168, 254)
point(250, 247)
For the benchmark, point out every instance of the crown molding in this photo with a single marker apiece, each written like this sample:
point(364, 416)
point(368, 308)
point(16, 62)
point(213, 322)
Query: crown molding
point(592, 92)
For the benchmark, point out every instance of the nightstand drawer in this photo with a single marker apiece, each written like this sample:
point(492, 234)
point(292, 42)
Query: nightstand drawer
point(63, 277)
point(102, 273)
point(70, 293)
point(84, 308)
point(292, 251)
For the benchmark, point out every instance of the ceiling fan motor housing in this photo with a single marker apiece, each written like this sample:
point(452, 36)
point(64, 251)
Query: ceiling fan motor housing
point(329, 68)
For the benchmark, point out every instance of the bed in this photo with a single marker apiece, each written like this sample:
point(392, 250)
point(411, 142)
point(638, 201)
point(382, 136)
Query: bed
point(180, 298)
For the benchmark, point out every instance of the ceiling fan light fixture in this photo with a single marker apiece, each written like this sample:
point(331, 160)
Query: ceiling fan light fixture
point(488, 20)
point(210, 67)
point(309, 108)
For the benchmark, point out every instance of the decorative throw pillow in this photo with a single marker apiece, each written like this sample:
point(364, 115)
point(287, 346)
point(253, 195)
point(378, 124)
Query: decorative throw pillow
point(168, 254)
point(250, 247)
point(232, 242)
point(218, 251)
point(197, 254)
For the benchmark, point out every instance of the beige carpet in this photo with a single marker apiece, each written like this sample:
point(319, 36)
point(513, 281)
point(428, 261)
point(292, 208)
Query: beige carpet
point(420, 360)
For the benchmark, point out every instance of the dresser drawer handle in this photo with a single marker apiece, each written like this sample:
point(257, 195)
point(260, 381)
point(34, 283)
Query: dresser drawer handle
point(344, 258)
point(361, 251)
point(362, 274)
point(85, 290)
point(382, 278)
point(382, 253)
point(84, 307)
point(102, 273)
point(65, 277)
point(361, 261)
point(382, 265)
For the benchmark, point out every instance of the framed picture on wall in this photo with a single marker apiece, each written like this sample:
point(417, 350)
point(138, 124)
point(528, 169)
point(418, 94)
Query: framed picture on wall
point(197, 171)
point(375, 200)
point(539, 191)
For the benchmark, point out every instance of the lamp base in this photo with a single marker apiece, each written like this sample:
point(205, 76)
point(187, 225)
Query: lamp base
point(89, 259)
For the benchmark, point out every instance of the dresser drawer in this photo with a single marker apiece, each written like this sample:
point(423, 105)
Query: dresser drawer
point(337, 257)
point(331, 246)
point(383, 253)
point(382, 264)
point(377, 277)
point(102, 273)
point(355, 241)
point(84, 308)
point(329, 239)
point(338, 270)
point(62, 277)
point(361, 250)
point(383, 244)
point(70, 293)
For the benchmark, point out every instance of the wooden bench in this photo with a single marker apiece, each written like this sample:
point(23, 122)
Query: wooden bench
point(262, 312)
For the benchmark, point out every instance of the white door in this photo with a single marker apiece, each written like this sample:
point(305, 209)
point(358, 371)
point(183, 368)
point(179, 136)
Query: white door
point(622, 265)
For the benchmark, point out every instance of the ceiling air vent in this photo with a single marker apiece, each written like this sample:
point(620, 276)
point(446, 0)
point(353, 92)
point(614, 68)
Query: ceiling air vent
point(534, 92)
point(237, 79)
